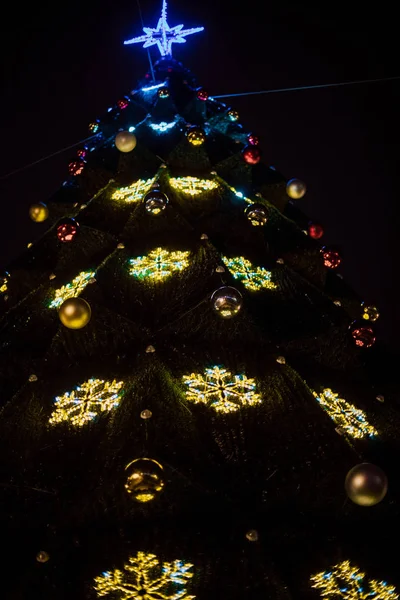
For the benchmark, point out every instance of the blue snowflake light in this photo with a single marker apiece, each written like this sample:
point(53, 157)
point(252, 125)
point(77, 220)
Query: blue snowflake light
point(163, 35)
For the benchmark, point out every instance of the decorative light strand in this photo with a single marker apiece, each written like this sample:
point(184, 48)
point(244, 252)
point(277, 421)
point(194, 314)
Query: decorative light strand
point(240, 195)
point(158, 264)
point(134, 192)
point(192, 185)
point(253, 278)
point(347, 581)
point(145, 576)
point(347, 417)
point(162, 127)
point(221, 390)
point(86, 402)
point(3, 285)
point(73, 289)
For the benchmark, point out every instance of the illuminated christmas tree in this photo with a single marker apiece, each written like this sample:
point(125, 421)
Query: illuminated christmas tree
point(185, 378)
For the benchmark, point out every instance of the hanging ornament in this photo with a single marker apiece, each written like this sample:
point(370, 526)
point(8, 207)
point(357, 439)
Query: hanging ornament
point(202, 95)
point(363, 334)
point(233, 115)
point(227, 302)
point(145, 479)
point(123, 103)
point(67, 230)
point(42, 556)
point(370, 313)
point(82, 153)
point(76, 167)
point(196, 136)
point(75, 313)
point(331, 258)
point(315, 231)
point(295, 189)
point(94, 126)
point(253, 140)
point(155, 202)
point(38, 212)
point(252, 535)
point(146, 414)
point(163, 92)
point(366, 484)
point(251, 154)
point(125, 141)
point(257, 214)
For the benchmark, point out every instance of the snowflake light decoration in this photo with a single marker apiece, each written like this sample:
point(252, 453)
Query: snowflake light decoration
point(158, 264)
point(3, 284)
point(163, 35)
point(146, 578)
point(253, 278)
point(347, 581)
point(73, 289)
point(192, 185)
point(347, 417)
point(86, 402)
point(221, 390)
point(162, 127)
point(134, 192)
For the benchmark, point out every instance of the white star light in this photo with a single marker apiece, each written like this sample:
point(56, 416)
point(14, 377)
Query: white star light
point(163, 35)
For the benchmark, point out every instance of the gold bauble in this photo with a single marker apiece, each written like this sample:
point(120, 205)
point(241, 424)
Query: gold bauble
point(125, 141)
point(252, 535)
point(75, 313)
point(42, 556)
point(366, 484)
point(196, 136)
point(38, 212)
point(371, 313)
point(145, 479)
point(295, 189)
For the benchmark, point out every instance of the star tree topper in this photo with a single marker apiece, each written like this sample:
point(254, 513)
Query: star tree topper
point(163, 35)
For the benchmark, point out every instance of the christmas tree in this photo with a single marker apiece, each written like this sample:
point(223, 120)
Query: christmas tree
point(192, 406)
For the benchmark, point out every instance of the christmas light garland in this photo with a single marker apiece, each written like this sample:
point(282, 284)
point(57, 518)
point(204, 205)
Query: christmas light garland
point(73, 289)
point(347, 417)
point(193, 186)
point(253, 278)
point(158, 264)
point(135, 191)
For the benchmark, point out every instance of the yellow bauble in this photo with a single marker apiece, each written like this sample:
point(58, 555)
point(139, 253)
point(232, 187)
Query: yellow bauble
point(145, 479)
point(75, 313)
point(295, 189)
point(196, 136)
point(38, 212)
point(371, 313)
point(125, 141)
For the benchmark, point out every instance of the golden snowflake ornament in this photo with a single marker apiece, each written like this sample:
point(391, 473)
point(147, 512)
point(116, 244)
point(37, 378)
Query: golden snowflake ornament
point(221, 390)
point(73, 289)
point(86, 402)
point(145, 577)
point(348, 582)
point(193, 186)
point(158, 264)
point(135, 191)
point(253, 278)
point(347, 417)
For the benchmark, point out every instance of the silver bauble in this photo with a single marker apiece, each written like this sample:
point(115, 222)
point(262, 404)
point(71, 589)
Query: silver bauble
point(227, 302)
point(125, 141)
point(366, 484)
point(257, 214)
point(155, 202)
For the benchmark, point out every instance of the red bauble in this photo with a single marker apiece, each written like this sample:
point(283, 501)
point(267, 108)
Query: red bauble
point(202, 95)
point(363, 334)
point(251, 155)
point(82, 153)
point(315, 230)
point(253, 140)
point(332, 258)
point(123, 103)
point(67, 230)
point(76, 167)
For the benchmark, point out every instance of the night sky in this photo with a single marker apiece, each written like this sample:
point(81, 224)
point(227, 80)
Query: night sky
point(63, 65)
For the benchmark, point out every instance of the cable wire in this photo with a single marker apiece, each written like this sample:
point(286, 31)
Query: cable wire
point(308, 87)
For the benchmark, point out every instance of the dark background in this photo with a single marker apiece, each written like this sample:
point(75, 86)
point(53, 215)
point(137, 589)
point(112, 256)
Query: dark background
point(64, 64)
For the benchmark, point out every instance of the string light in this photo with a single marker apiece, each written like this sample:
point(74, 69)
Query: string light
point(135, 191)
point(86, 402)
point(348, 418)
point(162, 127)
point(192, 185)
point(221, 390)
point(73, 289)
point(145, 576)
point(347, 581)
point(240, 195)
point(3, 285)
point(151, 88)
point(253, 278)
point(158, 264)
